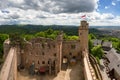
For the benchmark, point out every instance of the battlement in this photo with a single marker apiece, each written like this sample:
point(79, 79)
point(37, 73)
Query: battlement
point(83, 25)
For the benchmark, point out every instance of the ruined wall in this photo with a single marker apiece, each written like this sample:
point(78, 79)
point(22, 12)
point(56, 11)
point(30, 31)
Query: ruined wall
point(71, 49)
point(39, 51)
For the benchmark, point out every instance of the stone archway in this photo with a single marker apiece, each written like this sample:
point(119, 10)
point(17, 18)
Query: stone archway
point(64, 63)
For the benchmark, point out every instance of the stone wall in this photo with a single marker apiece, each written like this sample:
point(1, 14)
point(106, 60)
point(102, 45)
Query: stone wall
point(87, 72)
point(42, 52)
point(9, 69)
point(71, 49)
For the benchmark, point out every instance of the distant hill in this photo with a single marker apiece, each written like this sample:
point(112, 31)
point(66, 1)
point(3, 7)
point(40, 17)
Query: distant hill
point(106, 27)
point(31, 29)
point(69, 30)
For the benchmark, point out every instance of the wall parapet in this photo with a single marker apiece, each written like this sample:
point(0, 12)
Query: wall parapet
point(87, 73)
point(96, 67)
point(9, 69)
point(91, 68)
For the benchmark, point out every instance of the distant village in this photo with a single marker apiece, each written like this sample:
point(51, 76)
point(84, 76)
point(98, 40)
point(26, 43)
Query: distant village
point(109, 32)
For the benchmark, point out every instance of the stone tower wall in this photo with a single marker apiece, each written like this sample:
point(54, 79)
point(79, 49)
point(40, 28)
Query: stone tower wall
point(83, 34)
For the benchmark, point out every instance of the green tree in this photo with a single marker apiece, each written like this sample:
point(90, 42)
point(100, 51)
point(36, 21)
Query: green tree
point(97, 51)
point(48, 34)
point(118, 47)
point(90, 43)
point(49, 31)
point(91, 36)
point(28, 37)
point(16, 39)
point(40, 34)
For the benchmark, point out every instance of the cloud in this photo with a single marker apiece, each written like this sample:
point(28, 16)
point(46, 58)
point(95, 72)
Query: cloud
point(41, 16)
point(113, 3)
point(17, 1)
point(14, 16)
point(76, 6)
point(53, 6)
point(48, 12)
point(5, 11)
point(106, 7)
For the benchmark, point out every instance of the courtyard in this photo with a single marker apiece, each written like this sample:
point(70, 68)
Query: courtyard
point(71, 73)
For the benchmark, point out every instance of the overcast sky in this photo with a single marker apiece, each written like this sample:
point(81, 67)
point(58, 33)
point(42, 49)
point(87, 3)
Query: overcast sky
point(60, 12)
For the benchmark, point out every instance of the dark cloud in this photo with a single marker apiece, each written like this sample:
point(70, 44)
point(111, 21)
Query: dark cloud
point(74, 6)
point(55, 6)
point(11, 16)
point(14, 16)
point(41, 16)
point(5, 11)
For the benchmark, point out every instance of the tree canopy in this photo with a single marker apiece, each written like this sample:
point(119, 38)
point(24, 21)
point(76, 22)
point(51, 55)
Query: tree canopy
point(97, 51)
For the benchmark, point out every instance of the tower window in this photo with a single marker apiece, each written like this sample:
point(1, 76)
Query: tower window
point(70, 54)
point(49, 46)
point(43, 62)
point(55, 54)
point(43, 45)
point(73, 46)
point(38, 62)
point(118, 65)
point(54, 46)
point(43, 53)
point(48, 62)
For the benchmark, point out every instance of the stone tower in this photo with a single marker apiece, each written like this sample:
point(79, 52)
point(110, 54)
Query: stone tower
point(83, 34)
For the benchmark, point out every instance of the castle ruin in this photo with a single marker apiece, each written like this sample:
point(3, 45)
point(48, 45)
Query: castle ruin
point(47, 55)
